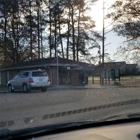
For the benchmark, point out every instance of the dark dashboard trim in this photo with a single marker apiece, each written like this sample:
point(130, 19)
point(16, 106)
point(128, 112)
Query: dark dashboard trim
point(57, 129)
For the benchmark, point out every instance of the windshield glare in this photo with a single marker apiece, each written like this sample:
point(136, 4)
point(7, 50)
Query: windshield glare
point(89, 50)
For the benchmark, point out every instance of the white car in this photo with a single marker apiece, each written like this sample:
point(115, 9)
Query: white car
point(27, 80)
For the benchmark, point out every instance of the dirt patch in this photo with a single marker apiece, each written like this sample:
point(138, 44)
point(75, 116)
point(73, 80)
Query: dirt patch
point(130, 82)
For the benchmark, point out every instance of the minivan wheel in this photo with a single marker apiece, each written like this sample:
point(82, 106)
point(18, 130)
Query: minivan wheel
point(25, 88)
point(10, 89)
point(43, 89)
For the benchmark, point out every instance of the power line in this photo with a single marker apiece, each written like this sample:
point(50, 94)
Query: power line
point(108, 31)
point(109, 25)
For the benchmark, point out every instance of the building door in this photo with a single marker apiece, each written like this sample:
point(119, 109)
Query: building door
point(65, 77)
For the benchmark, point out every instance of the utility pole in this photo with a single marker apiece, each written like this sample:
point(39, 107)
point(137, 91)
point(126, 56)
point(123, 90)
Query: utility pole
point(57, 68)
point(103, 73)
point(103, 40)
point(103, 48)
point(56, 52)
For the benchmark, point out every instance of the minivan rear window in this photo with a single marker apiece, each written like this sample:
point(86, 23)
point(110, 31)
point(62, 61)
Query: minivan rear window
point(39, 73)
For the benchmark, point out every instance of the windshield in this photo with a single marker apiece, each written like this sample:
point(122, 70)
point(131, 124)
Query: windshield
point(72, 61)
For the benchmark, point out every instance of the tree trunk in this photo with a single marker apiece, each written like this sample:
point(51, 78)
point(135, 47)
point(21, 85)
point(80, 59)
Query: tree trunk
point(17, 36)
point(31, 45)
point(50, 36)
point(5, 33)
point(73, 33)
point(68, 36)
point(41, 45)
point(38, 28)
point(14, 36)
point(61, 42)
point(55, 35)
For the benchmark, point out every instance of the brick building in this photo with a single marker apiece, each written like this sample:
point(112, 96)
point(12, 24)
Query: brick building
point(125, 69)
point(70, 72)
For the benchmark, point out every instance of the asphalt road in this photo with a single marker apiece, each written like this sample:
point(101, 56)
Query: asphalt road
point(22, 110)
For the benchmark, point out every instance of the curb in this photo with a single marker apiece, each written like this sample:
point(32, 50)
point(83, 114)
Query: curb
point(3, 91)
point(64, 88)
point(78, 87)
point(84, 87)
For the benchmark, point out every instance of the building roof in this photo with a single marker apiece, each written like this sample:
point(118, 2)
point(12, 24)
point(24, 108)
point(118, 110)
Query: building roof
point(112, 65)
point(84, 67)
point(131, 66)
point(43, 62)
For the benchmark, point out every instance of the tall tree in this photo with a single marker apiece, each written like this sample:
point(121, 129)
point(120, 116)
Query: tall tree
point(126, 16)
point(34, 28)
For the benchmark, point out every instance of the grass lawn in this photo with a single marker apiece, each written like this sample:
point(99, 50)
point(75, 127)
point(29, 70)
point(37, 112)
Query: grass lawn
point(130, 77)
point(95, 78)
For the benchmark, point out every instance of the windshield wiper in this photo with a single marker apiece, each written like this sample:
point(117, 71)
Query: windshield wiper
point(122, 117)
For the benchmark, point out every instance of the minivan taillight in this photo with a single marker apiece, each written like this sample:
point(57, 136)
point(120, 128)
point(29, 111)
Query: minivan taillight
point(31, 80)
point(48, 79)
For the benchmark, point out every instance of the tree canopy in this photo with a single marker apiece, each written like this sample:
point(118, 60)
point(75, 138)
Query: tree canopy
point(34, 29)
point(126, 21)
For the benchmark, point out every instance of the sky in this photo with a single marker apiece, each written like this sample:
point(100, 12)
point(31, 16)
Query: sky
point(112, 39)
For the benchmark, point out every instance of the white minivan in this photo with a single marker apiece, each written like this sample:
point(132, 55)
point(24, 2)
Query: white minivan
point(27, 80)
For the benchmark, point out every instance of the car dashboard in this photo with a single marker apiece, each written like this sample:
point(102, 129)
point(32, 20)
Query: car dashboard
point(125, 131)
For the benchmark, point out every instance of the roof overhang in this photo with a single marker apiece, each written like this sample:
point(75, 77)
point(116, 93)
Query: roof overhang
point(36, 66)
